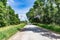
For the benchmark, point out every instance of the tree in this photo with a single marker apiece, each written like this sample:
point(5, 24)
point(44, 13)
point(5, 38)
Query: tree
point(49, 11)
point(4, 2)
point(7, 15)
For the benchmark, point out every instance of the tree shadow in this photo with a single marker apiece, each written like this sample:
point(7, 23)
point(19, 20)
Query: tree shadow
point(33, 29)
point(51, 35)
point(41, 31)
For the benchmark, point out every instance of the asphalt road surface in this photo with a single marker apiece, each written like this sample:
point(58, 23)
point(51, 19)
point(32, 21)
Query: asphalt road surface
point(32, 32)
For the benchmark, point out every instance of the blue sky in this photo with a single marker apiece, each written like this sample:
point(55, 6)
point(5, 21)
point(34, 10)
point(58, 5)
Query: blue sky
point(21, 7)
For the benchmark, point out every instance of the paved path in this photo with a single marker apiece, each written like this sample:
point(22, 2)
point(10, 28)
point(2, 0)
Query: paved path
point(32, 32)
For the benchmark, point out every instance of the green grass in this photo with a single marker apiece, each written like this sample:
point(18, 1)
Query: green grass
point(54, 28)
point(6, 32)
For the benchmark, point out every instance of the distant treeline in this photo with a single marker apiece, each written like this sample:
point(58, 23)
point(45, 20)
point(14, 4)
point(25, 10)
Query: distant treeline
point(7, 15)
point(45, 11)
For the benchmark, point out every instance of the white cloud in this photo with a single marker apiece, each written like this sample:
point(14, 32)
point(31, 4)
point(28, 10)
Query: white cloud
point(22, 17)
point(10, 2)
point(21, 11)
point(22, 14)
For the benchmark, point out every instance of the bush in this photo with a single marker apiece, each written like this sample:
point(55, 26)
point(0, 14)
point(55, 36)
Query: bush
point(2, 24)
point(54, 28)
point(6, 32)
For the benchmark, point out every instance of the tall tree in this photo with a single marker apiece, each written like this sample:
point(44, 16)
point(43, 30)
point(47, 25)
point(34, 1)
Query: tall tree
point(48, 11)
point(7, 15)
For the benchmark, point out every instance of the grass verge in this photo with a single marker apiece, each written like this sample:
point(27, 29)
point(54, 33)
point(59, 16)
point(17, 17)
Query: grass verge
point(54, 28)
point(8, 31)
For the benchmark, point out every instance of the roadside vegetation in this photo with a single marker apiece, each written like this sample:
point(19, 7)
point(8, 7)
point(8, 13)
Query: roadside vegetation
point(46, 14)
point(9, 21)
point(50, 27)
point(8, 31)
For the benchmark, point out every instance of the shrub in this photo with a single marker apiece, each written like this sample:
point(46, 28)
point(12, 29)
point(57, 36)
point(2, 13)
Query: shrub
point(54, 28)
point(6, 32)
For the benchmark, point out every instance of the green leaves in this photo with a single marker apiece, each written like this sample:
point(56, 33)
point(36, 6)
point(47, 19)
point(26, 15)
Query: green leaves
point(49, 11)
point(57, 1)
point(7, 15)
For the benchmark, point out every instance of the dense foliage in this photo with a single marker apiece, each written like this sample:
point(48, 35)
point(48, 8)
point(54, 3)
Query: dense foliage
point(7, 14)
point(8, 31)
point(53, 28)
point(45, 11)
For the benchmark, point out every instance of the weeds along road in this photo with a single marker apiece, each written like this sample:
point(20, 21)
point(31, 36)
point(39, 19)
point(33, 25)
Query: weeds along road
point(32, 32)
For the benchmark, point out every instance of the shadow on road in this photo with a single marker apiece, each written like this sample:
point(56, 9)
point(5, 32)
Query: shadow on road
point(42, 32)
point(34, 29)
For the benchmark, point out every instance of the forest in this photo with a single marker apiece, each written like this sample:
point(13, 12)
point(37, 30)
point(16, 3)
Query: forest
point(46, 14)
point(9, 21)
point(7, 15)
point(45, 11)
